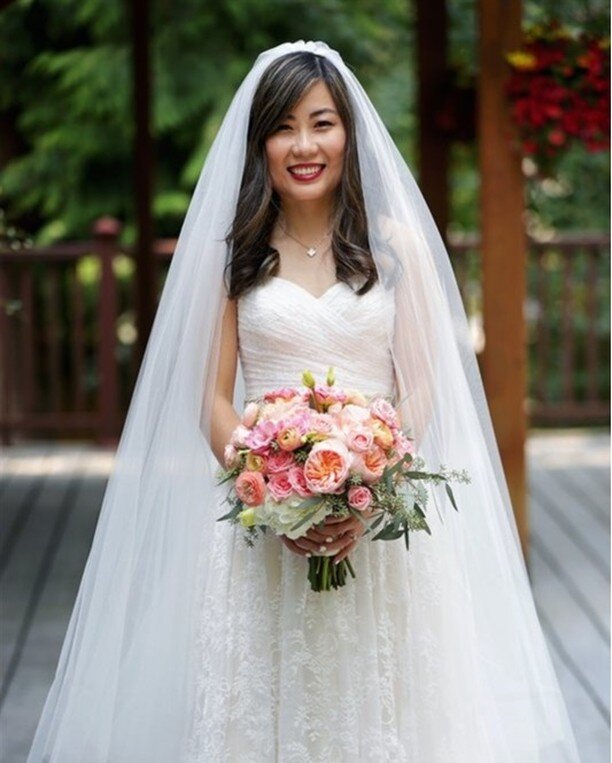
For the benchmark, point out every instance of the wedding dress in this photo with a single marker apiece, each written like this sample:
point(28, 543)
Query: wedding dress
point(344, 675)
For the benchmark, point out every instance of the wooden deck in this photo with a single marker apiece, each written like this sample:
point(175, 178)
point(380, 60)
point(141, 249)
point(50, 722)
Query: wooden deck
point(50, 495)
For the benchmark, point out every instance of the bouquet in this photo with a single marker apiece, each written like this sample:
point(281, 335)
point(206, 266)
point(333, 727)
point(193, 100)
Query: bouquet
point(302, 454)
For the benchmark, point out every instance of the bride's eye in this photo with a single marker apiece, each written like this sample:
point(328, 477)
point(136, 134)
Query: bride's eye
point(324, 123)
point(282, 128)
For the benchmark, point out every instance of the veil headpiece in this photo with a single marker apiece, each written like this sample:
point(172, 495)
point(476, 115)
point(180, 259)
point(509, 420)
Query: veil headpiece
point(124, 685)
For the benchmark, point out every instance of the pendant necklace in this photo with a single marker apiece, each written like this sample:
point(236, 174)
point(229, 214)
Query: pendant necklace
point(310, 250)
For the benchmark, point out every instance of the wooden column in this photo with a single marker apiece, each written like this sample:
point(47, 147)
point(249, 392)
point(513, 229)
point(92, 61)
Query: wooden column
point(146, 271)
point(433, 147)
point(503, 249)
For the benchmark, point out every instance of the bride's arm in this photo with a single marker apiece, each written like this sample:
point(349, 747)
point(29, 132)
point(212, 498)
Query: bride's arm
point(224, 418)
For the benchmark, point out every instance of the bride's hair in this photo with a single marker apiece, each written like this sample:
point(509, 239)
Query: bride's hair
point(253, 260)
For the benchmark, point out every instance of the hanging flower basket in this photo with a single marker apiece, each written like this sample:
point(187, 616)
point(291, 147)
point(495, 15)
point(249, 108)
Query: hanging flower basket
point(559, 92)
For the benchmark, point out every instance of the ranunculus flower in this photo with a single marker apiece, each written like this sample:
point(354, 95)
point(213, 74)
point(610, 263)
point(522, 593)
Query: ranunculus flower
point(298, 481)
point(327, 466)
point(280, 486)
point(280, 461)
point(359, 439)
point(383, 410)
point(251, 488)
point(230, 456)
point(249, 415)
point(289, 438)
point(370, 465)
point(255, 462)
point(383, 435)
point(359, 497)
point(259, 439)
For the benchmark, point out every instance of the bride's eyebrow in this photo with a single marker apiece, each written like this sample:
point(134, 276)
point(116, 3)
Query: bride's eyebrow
point(316, 113)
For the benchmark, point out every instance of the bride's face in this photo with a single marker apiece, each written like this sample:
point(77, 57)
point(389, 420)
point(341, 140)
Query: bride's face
point(306, 152)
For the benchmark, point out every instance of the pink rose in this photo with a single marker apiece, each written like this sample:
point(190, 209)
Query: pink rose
point(280, 461)
point(359, 439)
point(371, 464)
point(298, 481)
point(383, 410)
point(250, 414)
point(321, 424)
point(280, 486)
point(359, 497)
point(259, 439)
point(354, 414)
point(327, 466)
point(251, 488)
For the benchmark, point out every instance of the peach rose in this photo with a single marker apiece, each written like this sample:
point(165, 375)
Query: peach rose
point(327, 466)
point(370, 465)
point(251, 488)
point(359, 497)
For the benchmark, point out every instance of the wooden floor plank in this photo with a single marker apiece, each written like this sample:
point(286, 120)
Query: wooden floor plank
point(30, 684)
point(583, 581)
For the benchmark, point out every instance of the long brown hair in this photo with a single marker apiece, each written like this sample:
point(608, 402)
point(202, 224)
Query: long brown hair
point(252, 259)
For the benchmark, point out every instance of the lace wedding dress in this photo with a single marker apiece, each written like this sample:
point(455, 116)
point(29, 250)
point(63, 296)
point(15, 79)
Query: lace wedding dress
point(289, 674)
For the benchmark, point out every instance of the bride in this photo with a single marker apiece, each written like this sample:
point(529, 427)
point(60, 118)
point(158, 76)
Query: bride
point(307, 244)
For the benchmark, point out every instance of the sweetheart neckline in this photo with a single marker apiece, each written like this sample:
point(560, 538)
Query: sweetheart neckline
point(306, 291)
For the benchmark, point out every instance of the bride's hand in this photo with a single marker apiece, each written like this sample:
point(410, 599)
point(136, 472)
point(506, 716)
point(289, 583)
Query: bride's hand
point(337, 534)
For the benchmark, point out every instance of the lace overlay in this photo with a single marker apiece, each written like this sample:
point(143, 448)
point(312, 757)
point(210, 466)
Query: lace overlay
point(291, 675)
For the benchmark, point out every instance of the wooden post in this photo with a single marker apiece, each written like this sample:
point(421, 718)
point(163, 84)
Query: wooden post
point(146, 266)
point(503, 249)
point(106, 232)
point(433, 148)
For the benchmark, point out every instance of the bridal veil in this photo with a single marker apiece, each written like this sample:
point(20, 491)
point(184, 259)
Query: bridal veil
point(124, 686)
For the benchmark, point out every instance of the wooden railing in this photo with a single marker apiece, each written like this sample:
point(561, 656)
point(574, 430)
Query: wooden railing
point(67, 331)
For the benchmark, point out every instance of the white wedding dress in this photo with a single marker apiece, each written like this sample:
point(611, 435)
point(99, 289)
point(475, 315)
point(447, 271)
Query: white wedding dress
point(288, 674)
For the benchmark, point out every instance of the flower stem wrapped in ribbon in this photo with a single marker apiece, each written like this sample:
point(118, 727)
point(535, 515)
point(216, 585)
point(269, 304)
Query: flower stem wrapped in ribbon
point(303, 454)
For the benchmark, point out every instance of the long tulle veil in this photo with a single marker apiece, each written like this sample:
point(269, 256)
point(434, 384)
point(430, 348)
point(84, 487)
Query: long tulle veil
point(124, 686)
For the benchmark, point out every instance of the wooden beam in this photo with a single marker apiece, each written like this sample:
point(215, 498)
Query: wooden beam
point(504, 360)
point(433, 147)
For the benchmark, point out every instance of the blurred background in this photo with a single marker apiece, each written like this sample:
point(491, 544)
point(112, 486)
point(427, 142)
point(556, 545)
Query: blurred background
point(107, 111)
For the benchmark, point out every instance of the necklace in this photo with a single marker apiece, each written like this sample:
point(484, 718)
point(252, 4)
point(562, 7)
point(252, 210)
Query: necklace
point(310, 250)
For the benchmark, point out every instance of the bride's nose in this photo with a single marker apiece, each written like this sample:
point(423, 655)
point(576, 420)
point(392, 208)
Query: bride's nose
point(304, 144)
